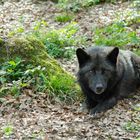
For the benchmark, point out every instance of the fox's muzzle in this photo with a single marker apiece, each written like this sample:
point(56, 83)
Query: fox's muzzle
point(99, 89)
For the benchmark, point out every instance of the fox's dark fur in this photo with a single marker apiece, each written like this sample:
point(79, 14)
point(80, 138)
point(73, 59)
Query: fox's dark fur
point(107, 74)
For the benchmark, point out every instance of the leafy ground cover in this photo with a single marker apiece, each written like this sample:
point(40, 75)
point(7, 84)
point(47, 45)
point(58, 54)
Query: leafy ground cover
point(29, 66)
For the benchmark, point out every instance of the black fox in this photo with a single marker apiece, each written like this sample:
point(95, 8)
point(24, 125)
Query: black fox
point(107, 74)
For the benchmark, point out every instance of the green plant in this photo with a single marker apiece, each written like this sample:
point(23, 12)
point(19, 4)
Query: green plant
point(137, 51)
point(78, 5)
point(136, 4)
point(17, 31)
point(29, 66)
point(137, 138)
point(75, 6)
point(40, 24)
point(88, 3)
point(69, 5)
point(132, 126)
point(19, 75)
point(36, 77)
point(11, 70)
point(8, 130)
point(63, 17)
point(59, 42)
point(136, 107)
point(116, 34)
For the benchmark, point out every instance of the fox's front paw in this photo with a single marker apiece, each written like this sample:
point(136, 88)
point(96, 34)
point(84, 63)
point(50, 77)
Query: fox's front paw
point(100, 108)
point(103, 106)
point(95, 110)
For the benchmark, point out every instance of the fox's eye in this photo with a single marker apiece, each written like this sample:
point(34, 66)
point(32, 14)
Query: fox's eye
point(90, 71)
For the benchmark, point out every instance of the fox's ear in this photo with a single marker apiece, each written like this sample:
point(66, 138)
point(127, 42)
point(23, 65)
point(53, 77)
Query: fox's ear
point(82, 56)
point(112, 56)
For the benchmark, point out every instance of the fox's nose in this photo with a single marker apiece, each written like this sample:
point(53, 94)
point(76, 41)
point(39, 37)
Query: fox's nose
point(99, 88)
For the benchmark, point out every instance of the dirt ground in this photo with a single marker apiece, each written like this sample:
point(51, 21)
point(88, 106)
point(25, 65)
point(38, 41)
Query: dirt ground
point(32, 117)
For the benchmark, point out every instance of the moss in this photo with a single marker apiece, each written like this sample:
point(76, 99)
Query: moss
point(1, 41)
point(33, 52)
point(26, 48)
point(30, 49)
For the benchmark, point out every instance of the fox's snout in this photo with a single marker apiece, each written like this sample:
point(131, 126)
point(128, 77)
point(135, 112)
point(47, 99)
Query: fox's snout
point(99, 88)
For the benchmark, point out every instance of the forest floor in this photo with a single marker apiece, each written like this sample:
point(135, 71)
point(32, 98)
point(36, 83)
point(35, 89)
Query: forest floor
point(32, 117)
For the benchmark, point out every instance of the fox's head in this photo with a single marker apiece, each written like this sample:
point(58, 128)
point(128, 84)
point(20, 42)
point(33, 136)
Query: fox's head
point(97, 67)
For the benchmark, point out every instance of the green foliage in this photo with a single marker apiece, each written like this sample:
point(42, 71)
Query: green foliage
point(59, 84)
point(16, 31)
point(59, 42)
point(116, 34)
point(136, 107)
point(11, 70)
point(16, 75)
point(137, 51)
point(132, 127)
point(30, 67)
point(77, 5)
point(25, 64)
point(136, 4)
point(138, 138)
point(63, 17)
point(40, 24)
point(8, 130)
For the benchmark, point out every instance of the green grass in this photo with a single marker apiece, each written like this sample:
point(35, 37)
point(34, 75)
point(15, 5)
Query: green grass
point(136, 107)
point(59, 42)
point(16, 75)
point(132, 127)
point(75, 6)
point(116, 34)
point(8, 130)
point(78, 5)
point(137, 138)
point(64, 17)
point(21, 76)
